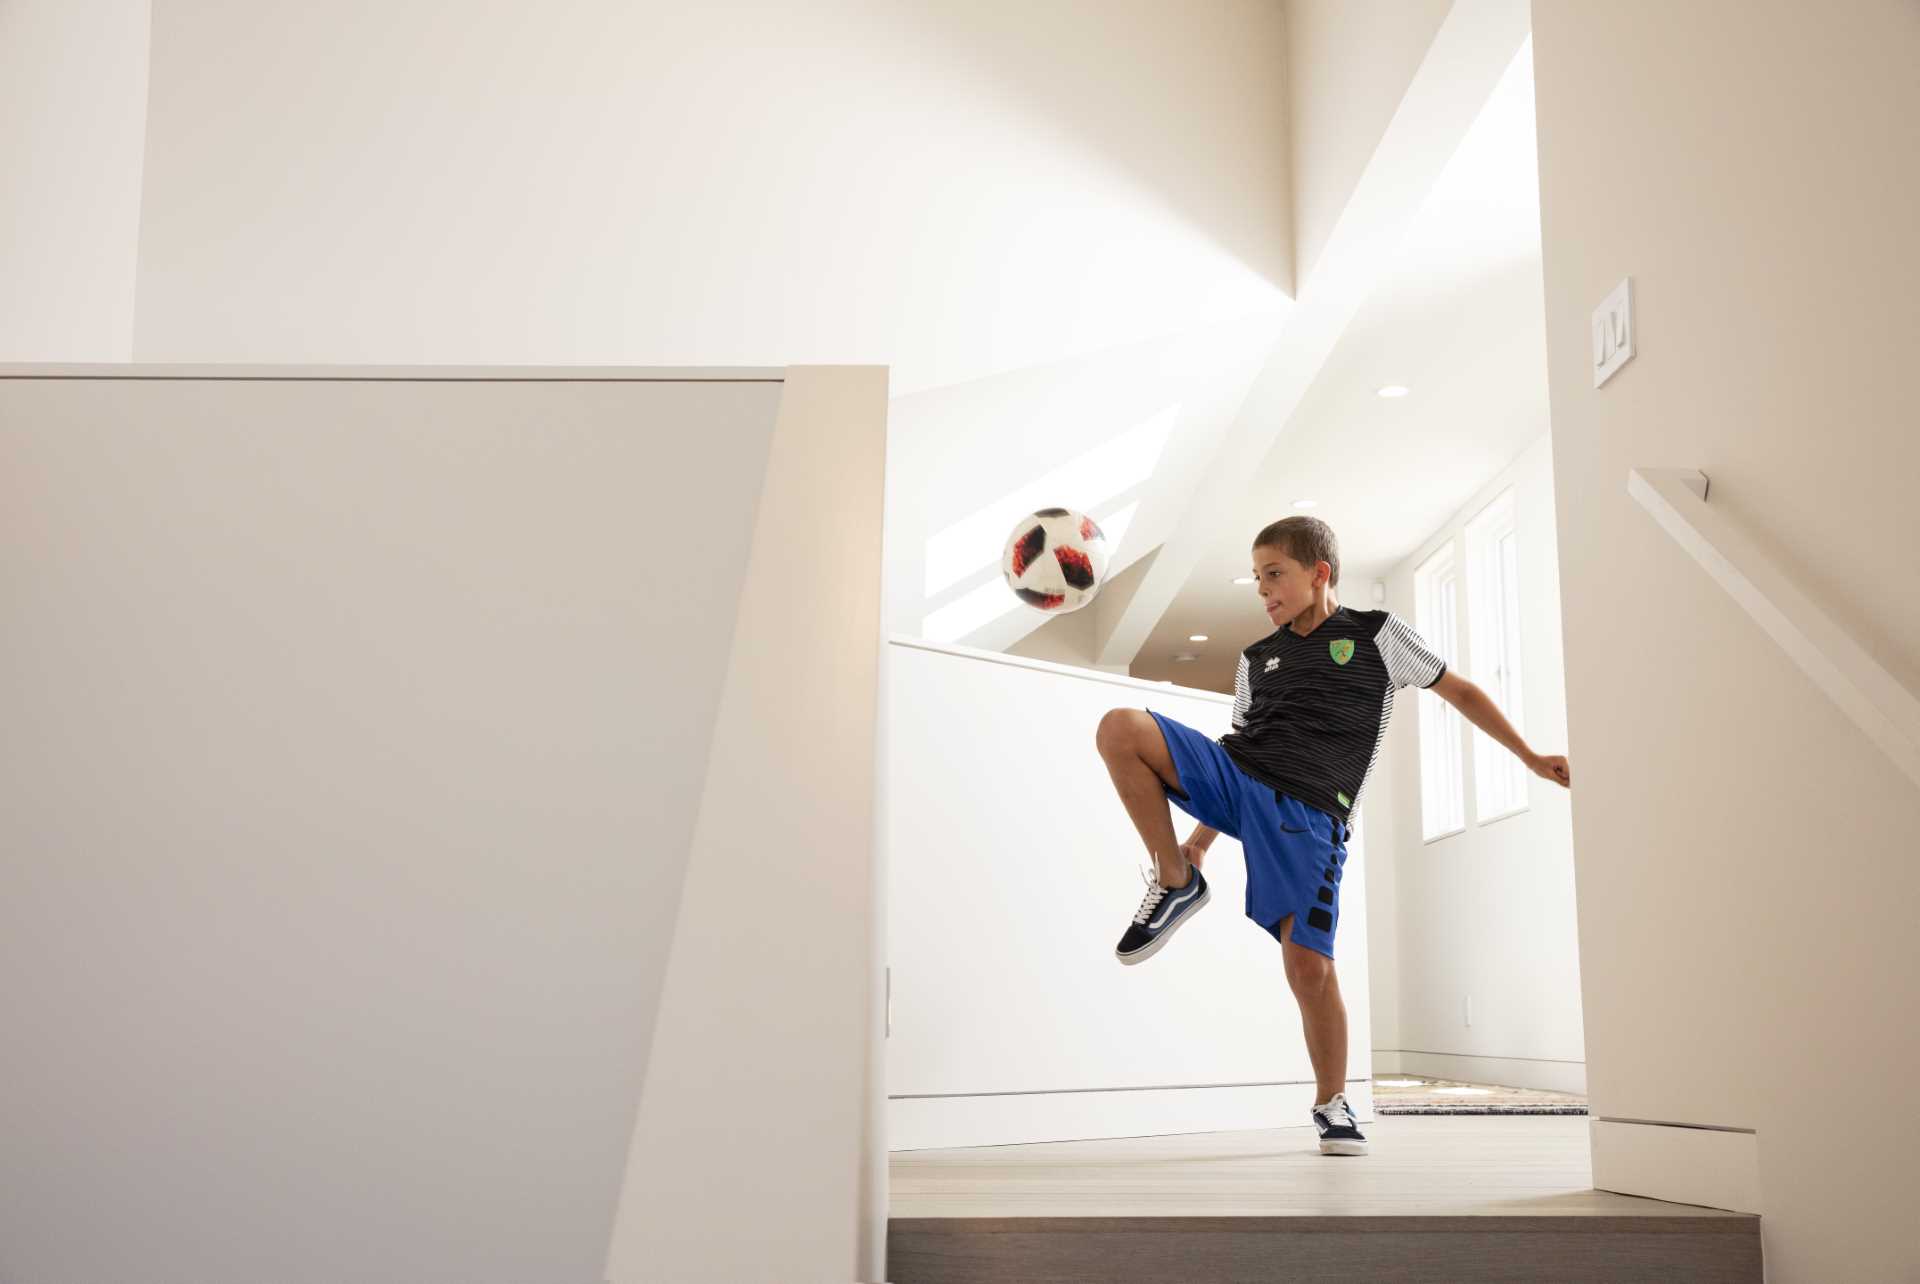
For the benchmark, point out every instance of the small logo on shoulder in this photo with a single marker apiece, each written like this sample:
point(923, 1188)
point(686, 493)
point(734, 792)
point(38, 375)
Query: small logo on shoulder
point(1273, 664)
point(1342, 650)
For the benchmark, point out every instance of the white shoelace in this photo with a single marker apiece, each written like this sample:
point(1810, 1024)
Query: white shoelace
point(1155, 894)
point(1338, 1112)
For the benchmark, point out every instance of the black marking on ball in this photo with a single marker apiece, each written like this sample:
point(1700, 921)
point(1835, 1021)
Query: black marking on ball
point(1029, 547)
point(1045, 601)
point(1075, 565)
point(1051, 512)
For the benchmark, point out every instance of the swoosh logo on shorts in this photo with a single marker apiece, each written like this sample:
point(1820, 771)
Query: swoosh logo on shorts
point(1186, 894)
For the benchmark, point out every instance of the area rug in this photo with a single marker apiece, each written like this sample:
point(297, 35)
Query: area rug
point(1414, 1095)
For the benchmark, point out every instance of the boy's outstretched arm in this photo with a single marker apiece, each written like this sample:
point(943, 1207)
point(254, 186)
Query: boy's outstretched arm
point(1479, 709)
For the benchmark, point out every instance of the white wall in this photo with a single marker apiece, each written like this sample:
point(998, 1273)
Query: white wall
point(1745, 855)
point(73, 118)
point(952, 189)
point(754, 1157)
point(1349, 63)
point(1052, 222)
point(365, 809)
point(1013, 871)
point(1488, 913)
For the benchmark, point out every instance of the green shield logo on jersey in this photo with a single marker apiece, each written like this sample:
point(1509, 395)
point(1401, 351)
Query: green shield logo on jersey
point(1342, 650)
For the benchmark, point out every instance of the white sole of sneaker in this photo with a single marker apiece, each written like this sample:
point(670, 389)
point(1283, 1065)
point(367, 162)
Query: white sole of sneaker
point(1343, 1147)
point(1147, 951)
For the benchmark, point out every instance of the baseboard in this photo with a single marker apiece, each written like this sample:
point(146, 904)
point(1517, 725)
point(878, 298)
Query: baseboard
point(1508, 1072)
point(1713, 1167)
point(937, 1123)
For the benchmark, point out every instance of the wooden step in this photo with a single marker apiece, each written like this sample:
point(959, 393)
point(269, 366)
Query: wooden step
point(1242, 1250)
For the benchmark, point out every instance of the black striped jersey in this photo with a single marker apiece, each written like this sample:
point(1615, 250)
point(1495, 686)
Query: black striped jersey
point(1310, 713)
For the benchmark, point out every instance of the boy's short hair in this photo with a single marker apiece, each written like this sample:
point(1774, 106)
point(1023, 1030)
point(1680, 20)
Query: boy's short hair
point(1306, 540)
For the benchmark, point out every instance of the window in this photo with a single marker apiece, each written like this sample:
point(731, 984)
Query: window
point(1442, 791)
point(1493, 592)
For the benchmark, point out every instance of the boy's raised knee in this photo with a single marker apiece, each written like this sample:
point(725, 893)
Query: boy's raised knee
point(1119, 731)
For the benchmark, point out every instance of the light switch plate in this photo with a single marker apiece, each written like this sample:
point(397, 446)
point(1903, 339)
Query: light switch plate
point(1613, 332)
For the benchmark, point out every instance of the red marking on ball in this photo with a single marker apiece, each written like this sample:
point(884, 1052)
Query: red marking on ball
point(1027, 549)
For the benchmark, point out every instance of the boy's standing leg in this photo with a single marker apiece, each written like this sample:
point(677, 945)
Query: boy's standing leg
point(1323, 1013)
point(1323, 1018)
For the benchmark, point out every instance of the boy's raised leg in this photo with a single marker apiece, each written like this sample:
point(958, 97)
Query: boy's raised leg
point(1136, 755)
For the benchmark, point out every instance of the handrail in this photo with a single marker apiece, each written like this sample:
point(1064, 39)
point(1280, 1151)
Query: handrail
point(1876, 701)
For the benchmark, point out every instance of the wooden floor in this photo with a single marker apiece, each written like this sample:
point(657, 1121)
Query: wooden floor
point(1510, 1165)
point(1441, 1198)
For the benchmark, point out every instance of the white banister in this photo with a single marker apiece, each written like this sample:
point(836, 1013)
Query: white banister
point(1876, 701)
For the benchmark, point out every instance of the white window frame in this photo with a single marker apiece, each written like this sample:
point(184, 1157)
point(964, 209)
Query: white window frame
point(1443, 793)
point(1500, 780)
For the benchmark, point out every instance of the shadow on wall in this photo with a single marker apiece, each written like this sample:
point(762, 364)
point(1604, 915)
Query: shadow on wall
point(1061, 60)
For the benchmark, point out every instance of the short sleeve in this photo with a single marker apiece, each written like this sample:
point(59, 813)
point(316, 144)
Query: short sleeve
point(1410, 661)
point(1242, 694)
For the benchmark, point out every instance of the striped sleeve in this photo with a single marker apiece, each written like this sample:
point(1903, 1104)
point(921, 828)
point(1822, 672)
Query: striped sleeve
point(1410, 661)
point(1242, 694)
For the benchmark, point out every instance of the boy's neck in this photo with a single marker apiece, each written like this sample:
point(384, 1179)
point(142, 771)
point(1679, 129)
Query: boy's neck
point(1321, 611)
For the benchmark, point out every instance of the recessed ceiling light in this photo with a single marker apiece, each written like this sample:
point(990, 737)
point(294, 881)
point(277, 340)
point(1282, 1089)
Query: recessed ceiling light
point(1244, 579)
point(1185, 658)
point(1306, 503)
point(1393, 390)
point(1197, 637)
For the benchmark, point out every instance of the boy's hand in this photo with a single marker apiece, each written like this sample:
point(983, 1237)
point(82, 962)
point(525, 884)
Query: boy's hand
point(1194, 852)
point(1552, 767)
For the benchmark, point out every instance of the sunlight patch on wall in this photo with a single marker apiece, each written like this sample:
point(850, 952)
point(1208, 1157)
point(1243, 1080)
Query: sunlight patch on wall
point(1083, 483)
point(990, 601)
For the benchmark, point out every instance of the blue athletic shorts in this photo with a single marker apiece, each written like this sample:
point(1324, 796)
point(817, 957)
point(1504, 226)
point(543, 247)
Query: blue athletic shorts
point(1295, 853)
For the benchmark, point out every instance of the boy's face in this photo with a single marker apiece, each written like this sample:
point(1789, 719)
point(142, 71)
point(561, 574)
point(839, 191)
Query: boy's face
point(1287, 589)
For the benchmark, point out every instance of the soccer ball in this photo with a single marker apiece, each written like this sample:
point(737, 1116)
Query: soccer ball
point(1055, 560)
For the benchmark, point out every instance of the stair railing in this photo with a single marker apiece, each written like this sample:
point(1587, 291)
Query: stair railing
point(1876, 701)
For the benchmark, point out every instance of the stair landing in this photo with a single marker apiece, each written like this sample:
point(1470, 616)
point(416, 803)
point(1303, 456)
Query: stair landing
point(1441, 1198)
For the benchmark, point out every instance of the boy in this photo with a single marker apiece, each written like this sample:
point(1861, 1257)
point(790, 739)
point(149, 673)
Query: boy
point(1311, 702)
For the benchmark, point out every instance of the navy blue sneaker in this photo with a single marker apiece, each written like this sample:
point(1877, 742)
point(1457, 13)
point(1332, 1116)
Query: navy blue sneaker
point(1160, 912)
point(1339, 1130)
